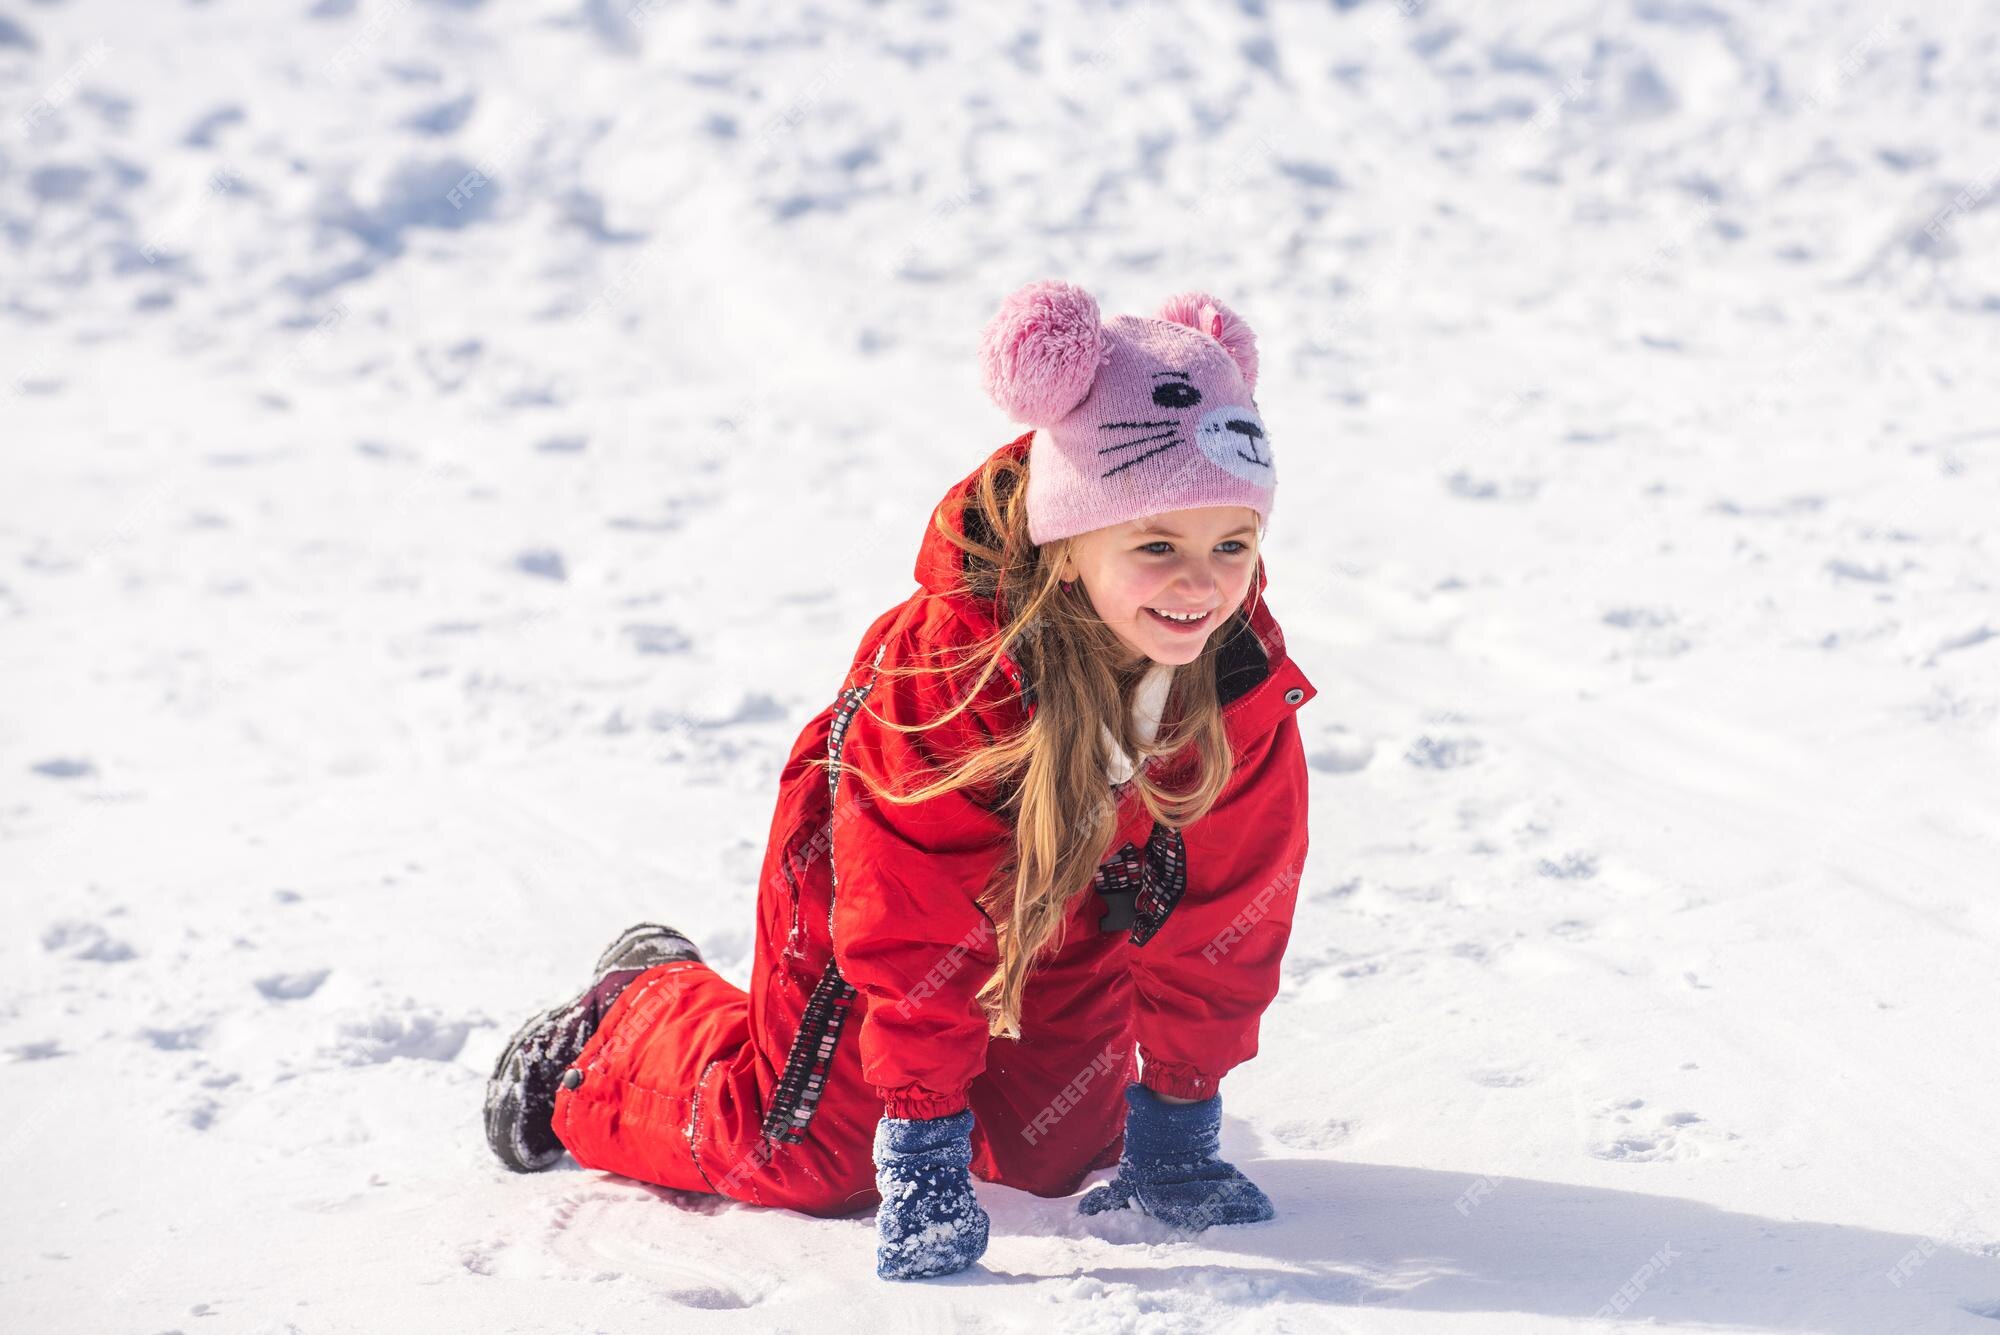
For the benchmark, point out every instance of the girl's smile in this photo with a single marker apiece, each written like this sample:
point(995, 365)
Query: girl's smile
point(1184, 623)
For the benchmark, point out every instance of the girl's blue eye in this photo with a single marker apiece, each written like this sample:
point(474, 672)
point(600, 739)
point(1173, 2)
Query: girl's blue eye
point(1227, 542)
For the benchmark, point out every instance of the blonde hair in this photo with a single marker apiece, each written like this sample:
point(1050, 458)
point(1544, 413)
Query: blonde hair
point(1051, 770)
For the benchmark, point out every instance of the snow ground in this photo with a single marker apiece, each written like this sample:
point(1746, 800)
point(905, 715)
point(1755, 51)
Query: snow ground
point(450, 447)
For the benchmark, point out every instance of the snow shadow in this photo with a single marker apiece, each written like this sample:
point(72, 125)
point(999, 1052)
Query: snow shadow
point(1375, 1234)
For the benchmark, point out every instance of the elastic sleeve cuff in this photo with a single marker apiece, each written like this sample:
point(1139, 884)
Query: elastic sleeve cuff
point(916, 1101)
point(1176, 1078)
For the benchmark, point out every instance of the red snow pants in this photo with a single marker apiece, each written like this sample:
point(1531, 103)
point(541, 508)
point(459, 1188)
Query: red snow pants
point(676, 1081)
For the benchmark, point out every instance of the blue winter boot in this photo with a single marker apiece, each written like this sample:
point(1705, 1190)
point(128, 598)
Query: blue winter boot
point(1170, 1167)
point(929, 1222)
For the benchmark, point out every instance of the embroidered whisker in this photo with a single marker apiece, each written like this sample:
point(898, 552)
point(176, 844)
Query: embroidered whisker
point(1126, 445)
point(1147, 455)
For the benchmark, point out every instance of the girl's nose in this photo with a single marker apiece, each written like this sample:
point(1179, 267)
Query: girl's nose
point(1199, 584)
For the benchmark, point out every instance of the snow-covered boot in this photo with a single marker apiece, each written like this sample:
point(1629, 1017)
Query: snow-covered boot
point(521, 1095)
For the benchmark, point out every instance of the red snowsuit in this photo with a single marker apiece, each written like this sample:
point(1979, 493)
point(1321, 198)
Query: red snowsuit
point(870, 948)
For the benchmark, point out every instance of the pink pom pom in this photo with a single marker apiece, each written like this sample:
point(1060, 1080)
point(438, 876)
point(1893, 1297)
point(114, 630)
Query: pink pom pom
point(1198, 310)
point(1041, 351)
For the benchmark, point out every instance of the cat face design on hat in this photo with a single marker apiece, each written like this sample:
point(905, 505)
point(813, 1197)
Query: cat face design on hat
point(1195, 394)
point(1135, 414)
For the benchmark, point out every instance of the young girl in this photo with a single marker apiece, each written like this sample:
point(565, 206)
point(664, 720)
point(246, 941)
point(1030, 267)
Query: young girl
point(1032, 871)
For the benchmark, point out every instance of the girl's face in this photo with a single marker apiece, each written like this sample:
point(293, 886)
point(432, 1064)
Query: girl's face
point(1185, 561)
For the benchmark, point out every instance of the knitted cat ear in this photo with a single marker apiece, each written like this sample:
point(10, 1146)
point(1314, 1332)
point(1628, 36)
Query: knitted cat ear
point(1041, 351)
point(1198, 310)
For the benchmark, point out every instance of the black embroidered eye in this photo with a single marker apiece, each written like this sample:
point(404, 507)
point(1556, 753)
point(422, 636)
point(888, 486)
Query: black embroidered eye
point(1175, 394)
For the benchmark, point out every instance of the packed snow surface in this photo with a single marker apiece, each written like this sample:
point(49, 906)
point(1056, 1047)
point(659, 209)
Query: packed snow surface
point(449, 447)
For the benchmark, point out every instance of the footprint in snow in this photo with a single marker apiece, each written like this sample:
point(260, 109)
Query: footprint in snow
point(1860, 573)
point(1653, 636)
point(1342, 754)
point(1312, 1134)
point(1429, 752)
point(176, 1039)
point(1629, 1133)
point(1791, 505)
point(383, 1038)
point(292, 986)
point(82, 940)
point(1467, 487)
point(655, 638)
point(1571, 867)
point(1639, 618)
point(39, 1051)
point(751, 707)
point(543, 562)
point(1504, 1077)
point(478, 1258)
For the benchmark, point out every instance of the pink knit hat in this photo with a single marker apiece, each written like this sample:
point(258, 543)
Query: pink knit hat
point(1136, 415)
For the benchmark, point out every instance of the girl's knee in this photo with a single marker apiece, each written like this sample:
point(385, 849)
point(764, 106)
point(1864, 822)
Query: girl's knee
point(826, 1181)
point(820, 1197)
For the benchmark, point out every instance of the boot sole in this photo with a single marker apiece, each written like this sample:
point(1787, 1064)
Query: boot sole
point(503, 1109)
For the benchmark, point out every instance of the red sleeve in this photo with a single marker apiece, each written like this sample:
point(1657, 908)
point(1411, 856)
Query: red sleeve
point(908, 932)
point(1205, 978)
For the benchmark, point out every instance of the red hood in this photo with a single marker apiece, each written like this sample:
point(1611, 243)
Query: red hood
point(939, 562)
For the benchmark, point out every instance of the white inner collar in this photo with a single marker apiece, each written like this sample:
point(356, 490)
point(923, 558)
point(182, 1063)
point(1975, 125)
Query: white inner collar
point(1149, 702)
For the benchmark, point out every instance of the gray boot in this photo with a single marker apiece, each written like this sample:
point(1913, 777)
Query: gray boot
point(521, 1094)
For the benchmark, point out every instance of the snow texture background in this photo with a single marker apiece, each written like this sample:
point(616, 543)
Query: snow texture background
point(449, 447)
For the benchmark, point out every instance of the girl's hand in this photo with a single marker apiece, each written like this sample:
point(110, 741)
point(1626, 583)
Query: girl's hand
point(1170, 1167)
point(929, 1222)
